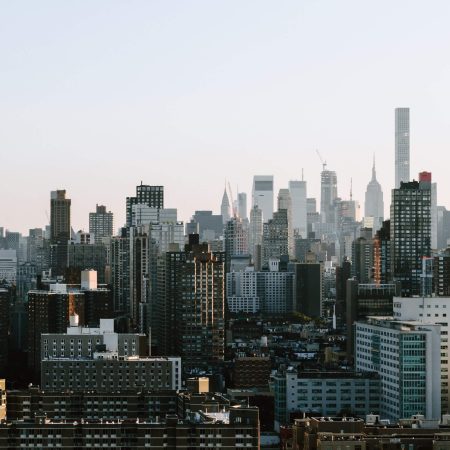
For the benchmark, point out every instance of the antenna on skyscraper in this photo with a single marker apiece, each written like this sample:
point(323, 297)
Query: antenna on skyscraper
point(351, 189)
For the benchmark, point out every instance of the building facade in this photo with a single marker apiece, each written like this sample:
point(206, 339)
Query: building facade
point(406, 354)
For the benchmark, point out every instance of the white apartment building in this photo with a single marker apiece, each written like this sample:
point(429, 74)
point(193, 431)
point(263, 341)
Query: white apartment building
point(406, 354)
point(430, 310)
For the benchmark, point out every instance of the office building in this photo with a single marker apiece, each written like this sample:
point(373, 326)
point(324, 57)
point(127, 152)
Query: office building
point(101, 223)
point(120, 272)
point(363, 301)
point(362, 257)
point(441, 278)
point(152, 196)
point(382, 254)
point(402, 153)
point(8, 266)
point(208, 224)
point(406, 354)
point(410, 232)
point(328, 196)
point(308, 288)
point(242, 205)
point(297, 190)
point(82, 256)
point(275, 240)
point(236, 240)
point(270, 292)
point(430, 310)
point(262, 194)
point(323, 393)
point(374, 203)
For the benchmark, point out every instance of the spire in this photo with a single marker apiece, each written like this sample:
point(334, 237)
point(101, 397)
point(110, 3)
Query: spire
point(351, 189)
point(374, 174)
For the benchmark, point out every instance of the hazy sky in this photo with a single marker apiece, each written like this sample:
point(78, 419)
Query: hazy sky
point(96, 96)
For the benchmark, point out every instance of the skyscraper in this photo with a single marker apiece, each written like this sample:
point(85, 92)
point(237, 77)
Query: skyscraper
point(374, 204)
point(152, 196)
point(328, 195)
point(410, 232)
point(59, 230)
point(297, 190)
point(101, 223)
point(401, 146)
point(236, 240)
point(191, 304)
point(242, 205)
point(225, 207)
point(263, 195)
point(255, 235)
point(275, 242)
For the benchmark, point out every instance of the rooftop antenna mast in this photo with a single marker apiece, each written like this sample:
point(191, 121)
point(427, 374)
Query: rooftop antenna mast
point(351, 189)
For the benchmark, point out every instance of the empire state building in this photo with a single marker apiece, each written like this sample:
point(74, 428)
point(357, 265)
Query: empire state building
point(374, 204)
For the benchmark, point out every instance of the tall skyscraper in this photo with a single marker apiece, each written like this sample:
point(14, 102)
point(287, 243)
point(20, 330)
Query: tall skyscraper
point(275, 242)
point(101, 223)
point(328, 196)
point(263, 195)
point(374, 204)
point(191, 304)
point(242, 205)
point(225, 207)
point(410, 232)
point(59, 230)
point(236, 240)
point(401, 146)
point(152, 196)
point(297, 190)
point(255, 235)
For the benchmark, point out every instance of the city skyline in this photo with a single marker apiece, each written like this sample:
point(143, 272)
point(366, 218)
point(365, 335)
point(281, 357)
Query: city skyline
point(112, 102)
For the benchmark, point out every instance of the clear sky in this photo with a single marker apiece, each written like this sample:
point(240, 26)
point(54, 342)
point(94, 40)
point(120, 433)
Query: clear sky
point(96, 96)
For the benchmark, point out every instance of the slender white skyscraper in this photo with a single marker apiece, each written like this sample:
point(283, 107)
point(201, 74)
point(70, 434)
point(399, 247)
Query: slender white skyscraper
point(263, 195)
point(401, 146)
point(297, 190)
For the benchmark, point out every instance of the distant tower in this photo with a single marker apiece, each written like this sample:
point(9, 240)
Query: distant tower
point(401, 146)
point(101, 223)
point(374, 204)
point(263, 195)
point(297, 190)
point(328, 195)
point(225, 208)
point(242, 205)
point(59, 230)
point(152, 196)
point(255, 235)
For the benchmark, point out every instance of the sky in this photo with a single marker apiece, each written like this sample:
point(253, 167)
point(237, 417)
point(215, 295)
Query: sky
point(97, 96)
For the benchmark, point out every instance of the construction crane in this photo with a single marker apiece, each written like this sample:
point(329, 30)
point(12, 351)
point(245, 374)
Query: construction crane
point(324, 163)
